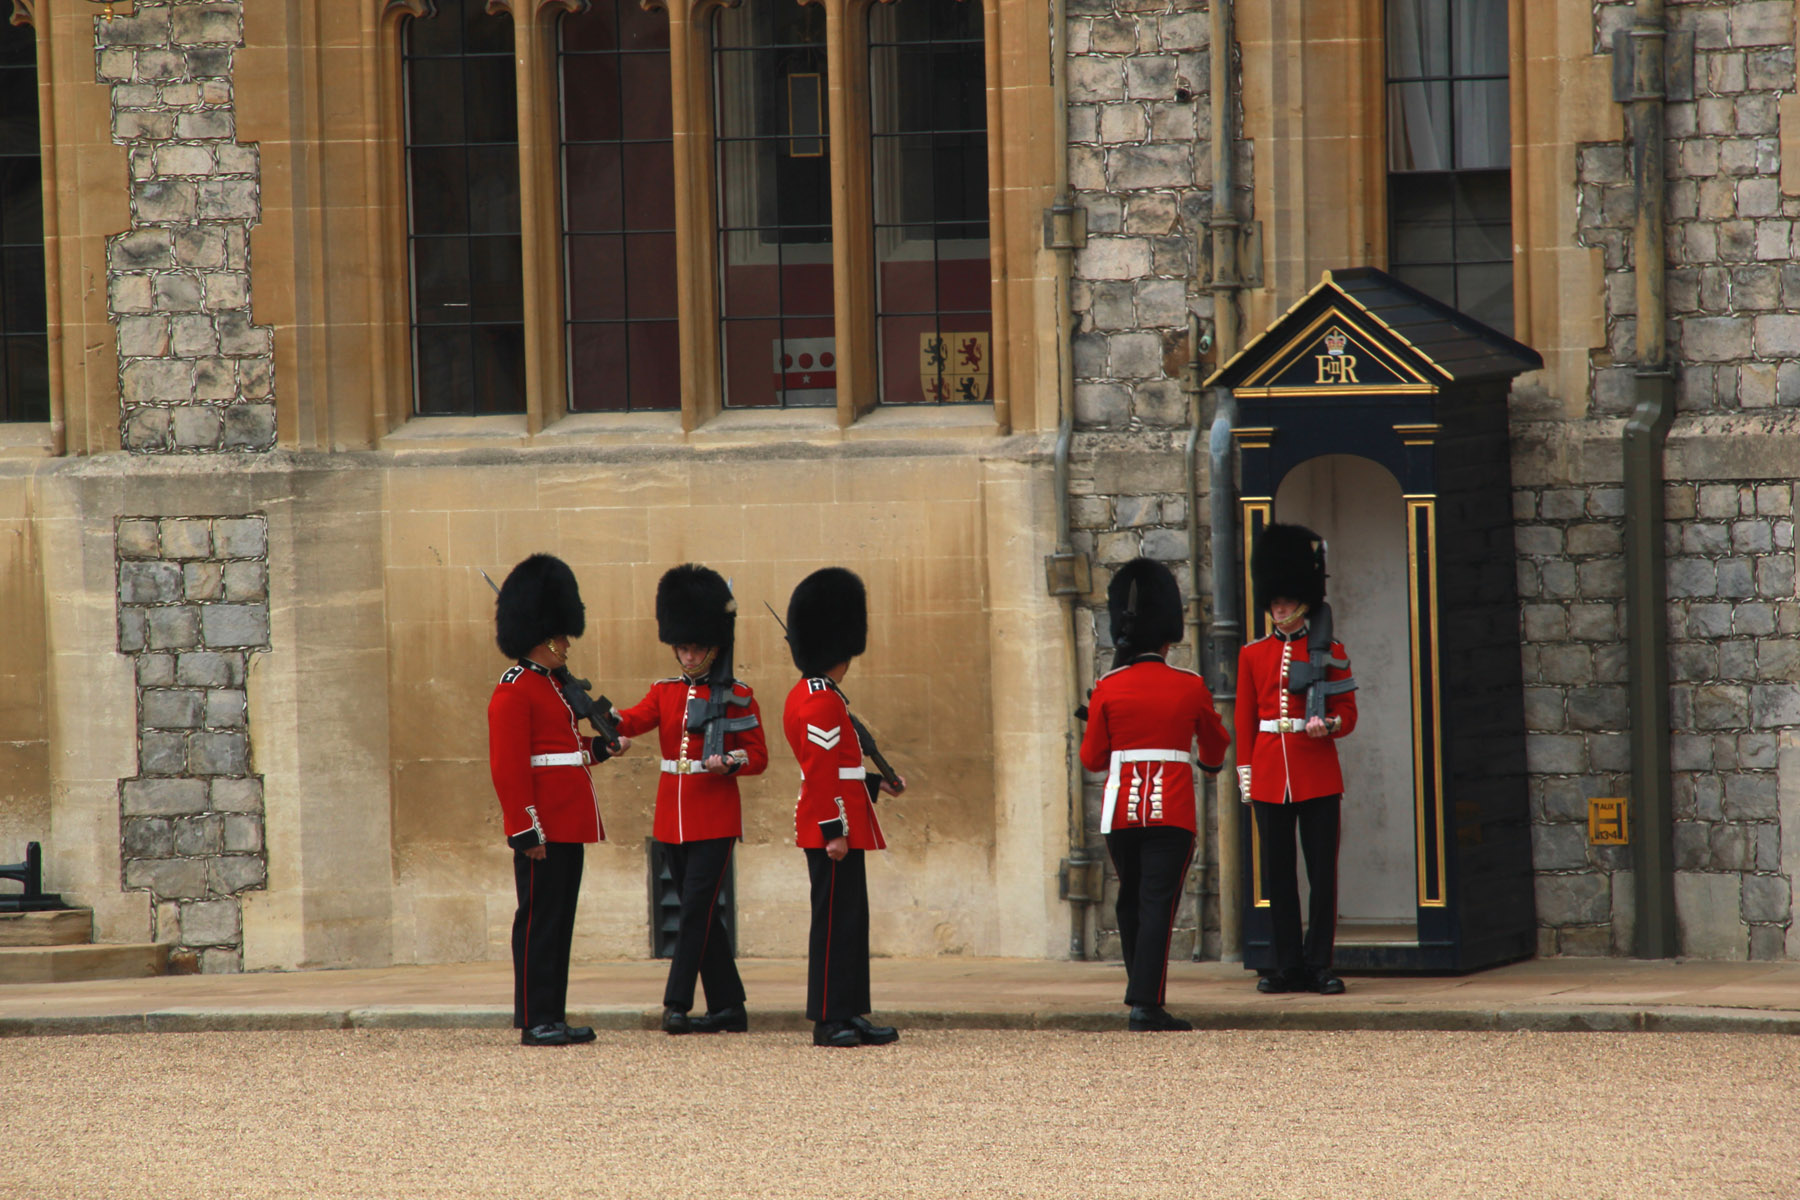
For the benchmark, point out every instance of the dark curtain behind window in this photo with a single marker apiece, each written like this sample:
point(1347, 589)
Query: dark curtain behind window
point(462, 156)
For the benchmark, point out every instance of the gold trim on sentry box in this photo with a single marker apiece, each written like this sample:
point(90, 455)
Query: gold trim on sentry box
point(1421, 518)
point(1280, 361)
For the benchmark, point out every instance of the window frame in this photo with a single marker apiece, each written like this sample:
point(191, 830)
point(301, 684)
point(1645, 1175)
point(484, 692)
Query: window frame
point(696, 224)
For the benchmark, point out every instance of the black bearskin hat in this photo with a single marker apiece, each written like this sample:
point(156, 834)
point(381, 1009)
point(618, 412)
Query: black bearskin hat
point(539, 600)
point(828, 620)
point(1155, 618)
point(1288, 562)
point(694, 606)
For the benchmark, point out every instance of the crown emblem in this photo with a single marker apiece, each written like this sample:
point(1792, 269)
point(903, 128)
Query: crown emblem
point(1335, 341)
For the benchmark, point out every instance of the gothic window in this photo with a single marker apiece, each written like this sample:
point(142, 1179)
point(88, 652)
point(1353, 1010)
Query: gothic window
point(1450, 154)
point(462, 159)
point(928, 134)
point(24, 336)
point(619, 209)
point(777, 323)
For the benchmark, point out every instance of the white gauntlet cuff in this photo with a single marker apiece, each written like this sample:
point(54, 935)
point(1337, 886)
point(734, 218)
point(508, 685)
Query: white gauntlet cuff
point(1244, 784)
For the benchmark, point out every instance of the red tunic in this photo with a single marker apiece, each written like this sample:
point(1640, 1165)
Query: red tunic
point(1286, 767)
point(527, 718)
point(1143, 721)
point(817, 723)
point(692, 804)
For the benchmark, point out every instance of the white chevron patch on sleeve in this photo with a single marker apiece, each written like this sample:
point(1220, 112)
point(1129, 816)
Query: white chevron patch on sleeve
point(824, 738)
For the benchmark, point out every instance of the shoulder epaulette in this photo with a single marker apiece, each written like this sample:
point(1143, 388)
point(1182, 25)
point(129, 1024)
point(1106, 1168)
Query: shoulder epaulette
point(815, 684)
point(512, 673)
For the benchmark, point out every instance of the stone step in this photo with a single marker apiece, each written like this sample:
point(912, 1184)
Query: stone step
point(73, 964)
point(62, 927)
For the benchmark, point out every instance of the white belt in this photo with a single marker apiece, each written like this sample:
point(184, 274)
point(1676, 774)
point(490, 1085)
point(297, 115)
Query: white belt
point(856, 773)
point(574, 758)
point(1284, 725)
point(1119, 758)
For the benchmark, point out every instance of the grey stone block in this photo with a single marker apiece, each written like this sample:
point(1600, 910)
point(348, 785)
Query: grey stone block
point(166, 878)
point(1555, 754)
point(237, 795)
point(1717, 339)
point(198, 835)
point(1751, 796)
point(134, 126)
point(225, 709)
point(1102, 405)
point(186, 537)
point(1166, 545)
point(207, 23)
point(175, 627)
point(1767, 898)
point(1584, 899)
point(1730, 848)
point(155, 670)
point(1721, 706)
point(176, 293)
point(162, 752)
point(215, 379)
point(209, 922)
point(203, 581)
point(1774, 705)
point(226, 625)
point(151, 381)
point(1558, 847)
point(249, 426)
point(243, 834)
point(1598, 708)
point(1097, 80)
point(149, 582)
point(172, 708)
point(1737, 659)
point(1778, 660)
point(231, 874)
point(218, 753)
point(146, 837)
point(196, 427)
point(201, 126)
point(1609, 752)
point(1693, 845)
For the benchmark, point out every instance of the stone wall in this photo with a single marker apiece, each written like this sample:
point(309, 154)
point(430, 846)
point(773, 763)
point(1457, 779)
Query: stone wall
point(1734, 619)
point(1139, 164)
point(193, 608)
point(195, 373)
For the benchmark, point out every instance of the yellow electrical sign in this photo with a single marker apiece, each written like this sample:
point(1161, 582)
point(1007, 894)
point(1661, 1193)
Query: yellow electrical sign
point(1606, 821)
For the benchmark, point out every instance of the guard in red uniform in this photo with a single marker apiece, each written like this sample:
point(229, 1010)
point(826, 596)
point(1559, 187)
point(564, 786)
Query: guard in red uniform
point(698, 815)
point(834, 820)
point(539, 760)
point(1295, 698)
point(1144, 720)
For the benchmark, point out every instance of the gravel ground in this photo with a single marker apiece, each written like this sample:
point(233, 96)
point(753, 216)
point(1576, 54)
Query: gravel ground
point(461, 1113)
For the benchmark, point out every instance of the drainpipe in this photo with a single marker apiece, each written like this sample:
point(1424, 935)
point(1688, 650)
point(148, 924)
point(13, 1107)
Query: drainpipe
point(1067, 571)
point(1227, 282)
point(1198, 344)
point(1646, 584)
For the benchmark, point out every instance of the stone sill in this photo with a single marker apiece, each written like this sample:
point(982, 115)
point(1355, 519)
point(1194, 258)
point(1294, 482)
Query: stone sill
point(755, 427)
point(25, 439)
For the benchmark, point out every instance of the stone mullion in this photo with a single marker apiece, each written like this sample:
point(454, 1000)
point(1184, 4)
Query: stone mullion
point(852, 223)
point(534, 34)
point(696, 217)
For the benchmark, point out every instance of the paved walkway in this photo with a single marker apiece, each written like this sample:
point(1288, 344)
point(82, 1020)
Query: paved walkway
point(1545, 994)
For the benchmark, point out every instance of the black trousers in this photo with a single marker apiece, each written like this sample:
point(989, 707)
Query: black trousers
point(702, 944)
point(837, 954)
point(1152, 864)
point(1317, 821)
point(542, 929)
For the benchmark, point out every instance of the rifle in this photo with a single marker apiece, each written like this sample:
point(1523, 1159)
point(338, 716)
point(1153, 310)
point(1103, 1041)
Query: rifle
point(1309, 676)
point(711, 717)
point(885, 772)
point(596, 711)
